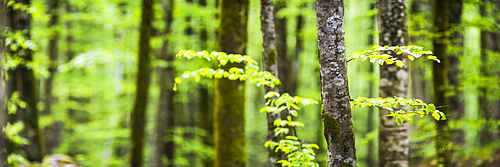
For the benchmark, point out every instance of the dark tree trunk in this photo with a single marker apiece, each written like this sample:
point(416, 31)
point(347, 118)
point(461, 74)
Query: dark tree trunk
point(270, 64)
point(52, 132)
point(393, 139)
point(22, 80)
point(287, 65)
point(138, 115)
point(163, 145)
point(336, 112)
point(440, 77)
point(457, 111)
point(371, 124)
point(229, 110)
point(3, 97)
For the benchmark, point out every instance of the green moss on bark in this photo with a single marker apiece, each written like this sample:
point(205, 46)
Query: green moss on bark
point(331, 129)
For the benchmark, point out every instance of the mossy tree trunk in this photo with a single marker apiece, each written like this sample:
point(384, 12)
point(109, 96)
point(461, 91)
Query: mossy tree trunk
point(163, 145)
point(22, 80)
point(52, 132)
point(336, 111)
point(229, 109)
point(489, 45)
point(138, 114)
point(393, 146)
point(270, 64)
point(440, 77)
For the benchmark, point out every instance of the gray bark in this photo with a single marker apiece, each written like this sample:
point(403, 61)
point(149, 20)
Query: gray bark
point(336, 111)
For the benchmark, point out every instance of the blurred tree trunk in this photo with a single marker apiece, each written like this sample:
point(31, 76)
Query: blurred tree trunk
point(3, 110)
point(371, 125)
point(138, 115)
point(270, 57)
point(489, 46)
point(163, 145)
point(288, 63)
point(336, 111)
point(393, 139)
point(229, 117)
point(440, 77)
point(52, 134)
point(22, 80)
point(457, 111)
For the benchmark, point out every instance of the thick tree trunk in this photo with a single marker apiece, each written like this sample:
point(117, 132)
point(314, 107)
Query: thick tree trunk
point(163, 145)
point(457, 110)
point(229, 116)
point(393, 139)
point(336, 112)
point(489, 44)
point(22, 80)
point(138, 115)
point(270, 64)
point(53, 133)
point(440, 77)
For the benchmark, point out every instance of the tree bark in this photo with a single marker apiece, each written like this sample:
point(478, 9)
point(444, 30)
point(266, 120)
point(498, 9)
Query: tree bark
point(138, 115)
point(3, 95)
point(270, 64)
point(336, 111)
point(163, 145)
point(393, 31)
point(22, 80)
point(440, 77)
point(229, 111)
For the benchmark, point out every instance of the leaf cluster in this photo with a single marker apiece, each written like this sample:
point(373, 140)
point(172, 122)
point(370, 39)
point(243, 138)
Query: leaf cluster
point(394, 106)
point(298, 153)
point(380, 54)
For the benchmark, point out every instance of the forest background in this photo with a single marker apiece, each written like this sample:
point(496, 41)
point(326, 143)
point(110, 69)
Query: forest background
point(86, 91)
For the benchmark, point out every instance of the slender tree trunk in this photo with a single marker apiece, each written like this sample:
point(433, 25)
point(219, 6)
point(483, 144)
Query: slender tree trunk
point(371, 124)
point(229, 117)
point(287, 63)
point(270, 64)
point(3, 95)
point(52, 132)
point(457, 111)
point(163, 145)
point(22, 80)
point(440, 77)
point(336, 112)
point(393, 31)
point(138, 115)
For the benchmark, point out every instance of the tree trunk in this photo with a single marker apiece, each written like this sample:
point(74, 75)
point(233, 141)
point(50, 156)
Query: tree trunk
point(440, 77)
point(393, 139)
point(270, 64)
point(52, 132)
point(138, 115)
point(287, 63)
point(371, 124)
point(22, 80)
point(457, 111)
point(336, 112)
point(489, 45)
point(163, 145)
point(229, 111)
point(3, 95)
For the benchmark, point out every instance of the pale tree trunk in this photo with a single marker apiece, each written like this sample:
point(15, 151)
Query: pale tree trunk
point(22, 79)
point(336, 111)
point(392, 138)
point(229, 110)
point(163, 146)
point(270, 64)
point(3, 97)
point(138, 114)
point(440, 77)
point(52, 132)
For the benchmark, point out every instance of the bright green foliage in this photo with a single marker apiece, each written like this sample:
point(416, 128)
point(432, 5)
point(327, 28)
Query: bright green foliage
point(391, 103)
point(15, 102)
point(11, 131)
point(16, 159)
point(378, 54)
point(298, 153)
